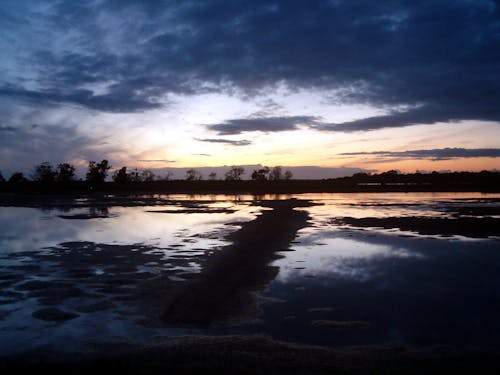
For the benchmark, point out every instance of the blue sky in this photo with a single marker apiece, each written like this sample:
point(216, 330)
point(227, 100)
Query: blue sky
point(161, 84)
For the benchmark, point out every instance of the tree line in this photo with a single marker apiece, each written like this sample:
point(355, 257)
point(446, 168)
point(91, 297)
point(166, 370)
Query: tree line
point(97, 172)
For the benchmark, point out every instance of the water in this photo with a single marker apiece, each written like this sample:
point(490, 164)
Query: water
point(75, 277)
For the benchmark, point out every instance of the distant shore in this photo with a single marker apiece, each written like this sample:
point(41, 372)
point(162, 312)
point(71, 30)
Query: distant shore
point(488, 182)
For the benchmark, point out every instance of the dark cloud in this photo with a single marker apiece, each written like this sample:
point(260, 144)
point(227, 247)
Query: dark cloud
point(440, 59)
point(7, 129)
point(242, 142)
point(115, 101)
point(21, 148)
point(433, 154)
point(263, 124)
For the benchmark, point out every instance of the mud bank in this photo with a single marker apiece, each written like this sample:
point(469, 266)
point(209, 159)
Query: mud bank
point(224, 289)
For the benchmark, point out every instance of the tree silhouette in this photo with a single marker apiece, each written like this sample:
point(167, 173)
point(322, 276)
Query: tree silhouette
point(193, 174)
point(2, 179)
point(44, 173)
point(288, 175)
point(212, 176)
point(235, 173)
point(147, 176)
point(276, 174)
point(261, 174)
point(97, 171)
point(17, 177)
point(168, 176)
point(120, 176)
point(134, 176)
point(65, 172)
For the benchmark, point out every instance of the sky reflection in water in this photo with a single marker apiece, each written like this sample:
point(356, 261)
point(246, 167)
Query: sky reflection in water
point(409, 289)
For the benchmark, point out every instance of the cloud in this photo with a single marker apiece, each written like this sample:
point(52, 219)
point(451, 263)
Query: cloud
point(425, 114)
point(126, 56)
point(225, 141)
point(119, 99)
point(263, 124)
point(7, 129)
point(157, 161)
point(433, 154)
point(25, 146)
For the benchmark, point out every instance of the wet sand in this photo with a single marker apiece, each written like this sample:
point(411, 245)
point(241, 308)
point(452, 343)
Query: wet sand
point(224, 289)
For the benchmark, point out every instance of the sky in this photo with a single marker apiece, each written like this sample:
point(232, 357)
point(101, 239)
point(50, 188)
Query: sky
point(340, 84)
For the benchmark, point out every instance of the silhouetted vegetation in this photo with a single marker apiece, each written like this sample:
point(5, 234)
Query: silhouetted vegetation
point(261, 174)
point(122, 177)
point(193, 175)
point(65, 172)
point(268, 174)
point(97, 171)
point(44, 173)
point(234, 174)
point(265, 180)
point(17, 177)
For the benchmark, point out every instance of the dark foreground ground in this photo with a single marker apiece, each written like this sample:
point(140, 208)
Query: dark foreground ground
point(258, 355)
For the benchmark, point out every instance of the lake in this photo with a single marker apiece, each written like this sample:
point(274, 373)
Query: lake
point(406, 269)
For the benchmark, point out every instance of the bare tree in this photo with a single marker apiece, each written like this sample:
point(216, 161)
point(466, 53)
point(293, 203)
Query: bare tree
point(288, 175)
point(212, 176)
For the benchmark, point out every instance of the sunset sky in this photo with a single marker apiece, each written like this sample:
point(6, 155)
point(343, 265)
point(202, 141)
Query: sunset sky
point(375, 85)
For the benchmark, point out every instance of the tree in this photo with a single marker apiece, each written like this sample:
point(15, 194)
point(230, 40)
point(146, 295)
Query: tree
point(193, 175)
point(97, 171)
point(134, 176)
point(261, 174)
point(147, 176)
point(2, 179)
point(65, 172)
point(276, 174)
point(212, 176)
point(17, 177)
point(288, 175)
point(120, 176)
point(235, 173)
point(168, 176)
point(44, 173)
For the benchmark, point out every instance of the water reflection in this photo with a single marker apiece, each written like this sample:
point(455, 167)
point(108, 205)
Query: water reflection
point(407, 290)
point(85, 272)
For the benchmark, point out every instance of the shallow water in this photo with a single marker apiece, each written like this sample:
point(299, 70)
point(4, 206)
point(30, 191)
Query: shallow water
point(70, 278)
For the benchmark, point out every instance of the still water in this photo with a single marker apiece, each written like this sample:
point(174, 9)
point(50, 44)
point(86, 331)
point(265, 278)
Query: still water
point(415, 270)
